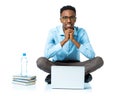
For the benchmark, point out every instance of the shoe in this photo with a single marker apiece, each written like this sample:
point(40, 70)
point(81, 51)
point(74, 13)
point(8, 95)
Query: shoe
point(48, 79)
point(88, 78)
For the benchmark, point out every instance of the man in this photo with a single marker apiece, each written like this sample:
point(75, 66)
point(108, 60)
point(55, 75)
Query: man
point(64, 45)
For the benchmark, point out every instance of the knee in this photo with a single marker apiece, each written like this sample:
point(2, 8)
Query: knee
point(99, 60)
point(40, 61)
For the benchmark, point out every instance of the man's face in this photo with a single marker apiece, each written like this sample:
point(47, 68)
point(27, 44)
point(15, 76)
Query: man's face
point(68, 19)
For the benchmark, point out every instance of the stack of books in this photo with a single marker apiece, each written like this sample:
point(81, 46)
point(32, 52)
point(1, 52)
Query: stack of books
point(24, 80)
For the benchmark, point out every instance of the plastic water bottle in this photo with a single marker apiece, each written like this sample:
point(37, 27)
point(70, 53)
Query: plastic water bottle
point(24, 61)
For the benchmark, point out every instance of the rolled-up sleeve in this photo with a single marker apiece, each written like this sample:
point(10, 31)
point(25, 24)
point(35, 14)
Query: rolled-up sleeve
point(86, 48)
point(51, 48)
point(51, 51)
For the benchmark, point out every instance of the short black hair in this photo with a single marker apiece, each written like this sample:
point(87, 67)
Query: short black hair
point(67, 7)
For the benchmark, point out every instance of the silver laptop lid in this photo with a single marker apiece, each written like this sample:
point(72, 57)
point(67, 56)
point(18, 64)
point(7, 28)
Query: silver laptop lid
point(67, 77)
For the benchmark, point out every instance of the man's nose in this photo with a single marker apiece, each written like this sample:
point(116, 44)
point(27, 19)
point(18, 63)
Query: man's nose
point(69, 20)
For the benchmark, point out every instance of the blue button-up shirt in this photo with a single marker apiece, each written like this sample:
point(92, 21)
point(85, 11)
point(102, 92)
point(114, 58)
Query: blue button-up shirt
point(68, 51)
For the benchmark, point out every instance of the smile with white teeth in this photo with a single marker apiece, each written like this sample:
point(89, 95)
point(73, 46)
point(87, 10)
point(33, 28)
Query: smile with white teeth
point(68, 25)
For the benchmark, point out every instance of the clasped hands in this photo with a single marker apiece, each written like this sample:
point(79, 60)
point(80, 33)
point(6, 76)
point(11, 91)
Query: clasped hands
point(69, 34)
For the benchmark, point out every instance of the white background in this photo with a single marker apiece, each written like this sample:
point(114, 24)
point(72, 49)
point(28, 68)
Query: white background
point(24, 25)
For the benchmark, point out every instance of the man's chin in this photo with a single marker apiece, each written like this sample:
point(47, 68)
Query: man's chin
point(69, 28)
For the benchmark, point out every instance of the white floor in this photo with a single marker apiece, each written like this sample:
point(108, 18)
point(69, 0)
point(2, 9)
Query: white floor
point(102, 84)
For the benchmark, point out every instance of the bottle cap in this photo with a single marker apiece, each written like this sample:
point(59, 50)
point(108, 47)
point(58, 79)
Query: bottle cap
point(24, 54)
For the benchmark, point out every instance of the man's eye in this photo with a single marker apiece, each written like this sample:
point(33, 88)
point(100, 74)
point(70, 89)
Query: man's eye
point(65, 17)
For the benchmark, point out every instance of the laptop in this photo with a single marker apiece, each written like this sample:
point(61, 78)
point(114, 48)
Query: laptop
point(67, 77)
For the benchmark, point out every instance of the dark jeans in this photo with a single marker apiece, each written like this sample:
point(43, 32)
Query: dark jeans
point(90, 65)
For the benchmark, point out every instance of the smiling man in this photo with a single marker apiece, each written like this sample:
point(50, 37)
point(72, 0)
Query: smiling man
point(64, 45)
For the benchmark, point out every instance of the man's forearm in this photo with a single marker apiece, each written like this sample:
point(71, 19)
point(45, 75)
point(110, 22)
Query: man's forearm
point(76, 43)
point(63, 42)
